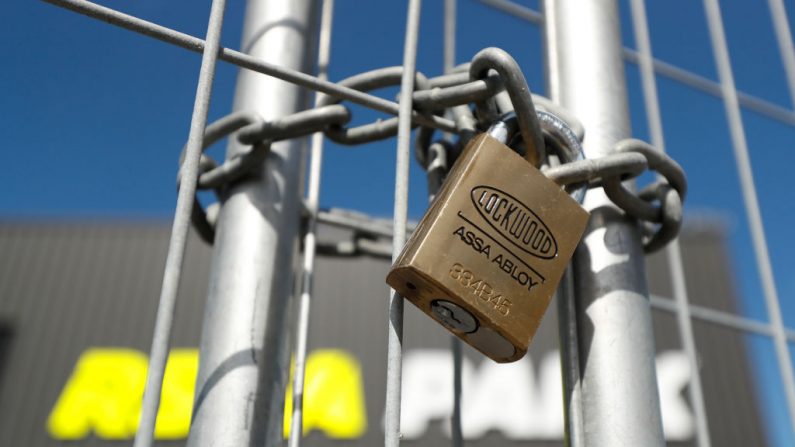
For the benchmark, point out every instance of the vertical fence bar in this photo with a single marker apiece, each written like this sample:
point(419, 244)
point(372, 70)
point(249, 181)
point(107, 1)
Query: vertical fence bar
point(573, 429)
point(243, 360)
point(620, 400)
point(449, 35)
point(189, 172)
point(395, 335)
point(305, 300)
point(455, 422)
point(455, 342)
point(673, 253)
point(778, 14)
point(740, 144)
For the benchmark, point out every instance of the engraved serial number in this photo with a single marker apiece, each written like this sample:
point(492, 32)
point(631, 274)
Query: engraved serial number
point(483, 290)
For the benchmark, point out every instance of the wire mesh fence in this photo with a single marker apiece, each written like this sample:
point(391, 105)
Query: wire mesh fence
point(650, 70)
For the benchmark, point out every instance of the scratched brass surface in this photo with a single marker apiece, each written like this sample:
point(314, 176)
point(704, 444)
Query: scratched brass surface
point(495, 241)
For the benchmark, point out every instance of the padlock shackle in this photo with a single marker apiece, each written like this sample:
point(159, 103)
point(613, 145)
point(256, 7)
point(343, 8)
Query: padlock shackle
point(505, 128)
point(566, 145)
point(519, 92)
point(564, 141)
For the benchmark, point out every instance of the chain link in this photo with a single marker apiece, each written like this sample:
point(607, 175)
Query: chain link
point(462, 103)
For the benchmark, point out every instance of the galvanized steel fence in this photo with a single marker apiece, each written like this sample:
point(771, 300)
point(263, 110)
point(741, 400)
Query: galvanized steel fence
point(448, 92)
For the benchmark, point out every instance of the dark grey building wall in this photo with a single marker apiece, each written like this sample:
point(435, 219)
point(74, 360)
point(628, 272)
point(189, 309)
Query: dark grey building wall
point(65, 287)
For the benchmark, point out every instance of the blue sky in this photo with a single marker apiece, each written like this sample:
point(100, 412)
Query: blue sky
point(94, 117)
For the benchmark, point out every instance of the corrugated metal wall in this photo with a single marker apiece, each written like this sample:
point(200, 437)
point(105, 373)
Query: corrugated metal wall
point(66, 287)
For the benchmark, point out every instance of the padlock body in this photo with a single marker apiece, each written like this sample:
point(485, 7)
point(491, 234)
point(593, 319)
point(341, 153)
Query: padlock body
point(495, 243)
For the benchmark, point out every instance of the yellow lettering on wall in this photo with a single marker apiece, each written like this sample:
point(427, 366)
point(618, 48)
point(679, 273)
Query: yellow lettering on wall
point(333, 396)
point(103, 396)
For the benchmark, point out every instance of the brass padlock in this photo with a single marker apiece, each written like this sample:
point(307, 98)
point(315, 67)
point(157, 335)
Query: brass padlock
point(486, 258)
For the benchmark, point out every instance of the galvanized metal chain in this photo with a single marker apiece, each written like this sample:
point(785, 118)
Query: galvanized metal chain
point(474, 95)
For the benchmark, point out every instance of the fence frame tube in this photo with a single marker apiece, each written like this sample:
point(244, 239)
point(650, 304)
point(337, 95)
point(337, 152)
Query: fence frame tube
point(620, 399)
point(243, 360)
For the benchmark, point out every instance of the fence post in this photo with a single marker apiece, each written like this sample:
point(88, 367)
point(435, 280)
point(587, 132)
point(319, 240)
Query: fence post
point(244, 360)
point(618, 384)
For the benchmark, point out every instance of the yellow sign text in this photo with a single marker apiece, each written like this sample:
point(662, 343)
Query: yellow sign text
point(103, 396)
